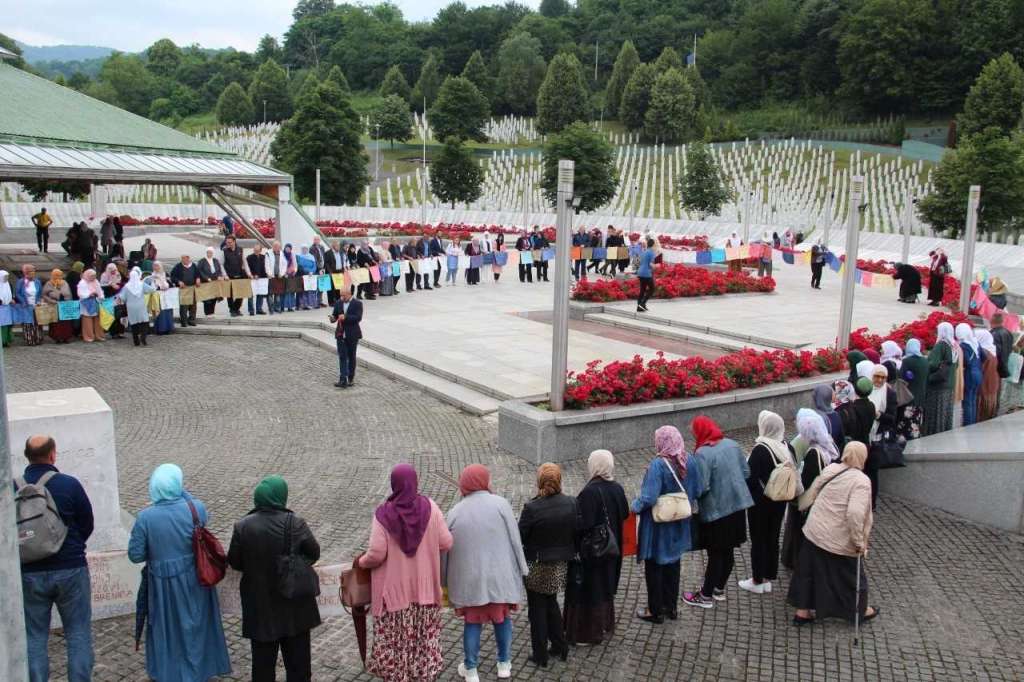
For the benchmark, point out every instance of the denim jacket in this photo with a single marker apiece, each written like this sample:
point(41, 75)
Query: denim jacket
point(725, 471)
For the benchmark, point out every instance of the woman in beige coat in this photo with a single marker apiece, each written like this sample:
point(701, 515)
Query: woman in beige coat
point(836, 537)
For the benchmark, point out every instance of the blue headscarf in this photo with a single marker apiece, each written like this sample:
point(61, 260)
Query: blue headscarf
point(913, 349)
point(166, 483)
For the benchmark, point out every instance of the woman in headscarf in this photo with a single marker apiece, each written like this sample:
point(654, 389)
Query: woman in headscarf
point(473, 274)
point(883, 397)
point(892, 358)
point(74, 276)
point(821, 451)
point(943, 368)
point(269, 620)
point(837, 531)
point(824, 397)
point(547, 526)
point(453, 252)
point(722, 507)
point(590, 597)
point(914, 371)
point(971, 354)
point(112, 281)
point(865, 368)
point(997, 292)
point(184, 636)
point(853, 358)
point(764, 519)
point(164, 322)
point(485, 568)
point(90, 293)
point(407, 538)
point(6, 311)
point(660, 545)
point(134, 296)
point(55, 291)
point(910, 282)
point(291, 297)
point(988, 392)
point(937, 270)
point(306, 266)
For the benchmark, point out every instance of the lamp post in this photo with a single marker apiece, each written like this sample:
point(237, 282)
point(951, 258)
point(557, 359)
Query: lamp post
point(632, 203)
point(907, 224)
point(970, 235)
point(264, 111)
point(376, 163)
point(850, 269)
point(560, 310)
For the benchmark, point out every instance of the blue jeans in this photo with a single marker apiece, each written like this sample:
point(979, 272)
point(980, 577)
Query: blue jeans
point(346, 359)
point(450, 276)
point(471, 642)
point(259, 304)
point(69, 589)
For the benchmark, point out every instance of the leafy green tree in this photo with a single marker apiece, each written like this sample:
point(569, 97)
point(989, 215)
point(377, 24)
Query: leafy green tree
point(163, 58)
point(234, 108)
point(337, 76)
point(391, 120)
point(459, 111)
point(637, 97)
point(553, 34)
point(11, 45)
point(269, 48)
point(71, 189)
point(185, 100)
point(395, 84)
point(668, 59)
point(269, 92)
point(563, 96)
point(324, 133)
point(428, 85)
point(596, 177)
point(625, 65)
point(477, 72)
point(133, 85)
point(701, 93)
point(455, 176)
point(702, 188)
point(78, 81)
point(311, 8)
point(554, 8)
point(670, 117)
point(995, 99)
point(521, 70)
point(161, 109)
point(989, 159)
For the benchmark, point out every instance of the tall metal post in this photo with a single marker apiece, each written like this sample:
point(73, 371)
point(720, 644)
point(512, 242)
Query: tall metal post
point(423, 182)
point(560, 326)
point(13, 652)
point(202, 216)
point(746, 216)
point(317, 214)
point(632, 204)
point(970, 238)
point(828, 215)
point(526, 203)
point(850, 271)
point(908, 220)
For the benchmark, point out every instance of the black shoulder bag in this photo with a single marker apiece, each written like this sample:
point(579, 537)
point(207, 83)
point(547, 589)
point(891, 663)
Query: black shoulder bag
point(296, 579)
point(600, 541)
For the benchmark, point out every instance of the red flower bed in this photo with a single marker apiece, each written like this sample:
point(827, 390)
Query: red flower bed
point(625, 383)
point(673, 280)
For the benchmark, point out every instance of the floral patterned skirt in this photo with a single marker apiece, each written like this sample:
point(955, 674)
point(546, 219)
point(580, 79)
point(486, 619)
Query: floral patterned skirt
point(407, 645)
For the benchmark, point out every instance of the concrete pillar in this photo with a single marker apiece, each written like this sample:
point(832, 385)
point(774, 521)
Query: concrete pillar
point(13, 653)
point(560, 326)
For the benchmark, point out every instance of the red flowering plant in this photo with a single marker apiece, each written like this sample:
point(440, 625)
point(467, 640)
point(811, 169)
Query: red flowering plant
point(673, 280)
point(950, 291)
point(923, 330)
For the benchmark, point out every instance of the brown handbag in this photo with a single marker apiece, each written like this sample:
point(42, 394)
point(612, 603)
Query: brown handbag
point(355, 586)
point(211, 561)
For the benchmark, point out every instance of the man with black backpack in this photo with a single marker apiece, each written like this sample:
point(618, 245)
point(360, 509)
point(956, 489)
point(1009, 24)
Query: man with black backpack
point(54, 518)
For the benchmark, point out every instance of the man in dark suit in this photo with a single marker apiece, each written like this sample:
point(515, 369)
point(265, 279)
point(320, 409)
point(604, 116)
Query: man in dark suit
point(346, 315)
point(422, 252)
point(436, 247)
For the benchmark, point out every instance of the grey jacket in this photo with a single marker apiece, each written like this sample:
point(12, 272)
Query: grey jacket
point(486, 564)
point(725, 472)
point(136, 305)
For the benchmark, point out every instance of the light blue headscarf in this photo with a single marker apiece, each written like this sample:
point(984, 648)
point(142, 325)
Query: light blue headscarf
point(913, 348)
point(166, 483)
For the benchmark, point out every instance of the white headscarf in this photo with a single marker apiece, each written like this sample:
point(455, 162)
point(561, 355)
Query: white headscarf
point(601, 464)
point(986, 341)
point(159, 277)
point(891, 351)
point(944, 332)
point(209, 258)
point(5, 288)
point(964, 334)
point(864, 369)
point(811, 427)
point(134, 285)
point(878, 396)
point(771, 432)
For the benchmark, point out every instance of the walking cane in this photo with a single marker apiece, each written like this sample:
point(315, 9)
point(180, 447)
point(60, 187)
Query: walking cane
point(856, 606)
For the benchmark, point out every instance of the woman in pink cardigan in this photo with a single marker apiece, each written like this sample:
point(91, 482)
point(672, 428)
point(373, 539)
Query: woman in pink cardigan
point(407, 538)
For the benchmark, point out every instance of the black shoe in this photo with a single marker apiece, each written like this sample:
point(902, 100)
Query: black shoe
point(562, 653)
point(642, 614)
point(183, 325)
point(350, 383)
point(260, 312)
point(536, 662)
point(672, 615)
point(192, 323)
point(341, 384)
point(800, 622)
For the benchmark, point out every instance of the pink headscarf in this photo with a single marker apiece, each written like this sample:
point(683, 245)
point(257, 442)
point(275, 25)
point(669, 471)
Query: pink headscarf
point(669, 444)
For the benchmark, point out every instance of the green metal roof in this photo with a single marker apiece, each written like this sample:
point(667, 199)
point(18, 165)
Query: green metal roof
point(36, 110)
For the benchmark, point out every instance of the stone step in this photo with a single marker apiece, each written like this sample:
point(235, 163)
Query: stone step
point(461, 396)
point(655, 328)
point(748, 340)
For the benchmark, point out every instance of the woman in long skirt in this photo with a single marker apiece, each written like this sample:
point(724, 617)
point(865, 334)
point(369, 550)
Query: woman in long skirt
point(164, 322)
point(821, 452)
point(942, 366)
point(988, 394)
point(55, 291)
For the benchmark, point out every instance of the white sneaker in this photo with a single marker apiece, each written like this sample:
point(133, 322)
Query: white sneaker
point(757, 588)
point(469, 675)
point(504, 670)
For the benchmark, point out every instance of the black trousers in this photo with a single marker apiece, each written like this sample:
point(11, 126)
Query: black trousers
point(525, 272)
point(332, 296)
point(816, 269)
point(646, 289)
point(410, 277)
point(662, 587)
point(187, 313)
point(473, 276)
point(545, 624)
point(437, 276)
point(542, 270)
point(764, 521)
point(43, 238)
point(424, 279)
point(295, 651)
point(719, 568)
point(209, 306)
point(140, 330)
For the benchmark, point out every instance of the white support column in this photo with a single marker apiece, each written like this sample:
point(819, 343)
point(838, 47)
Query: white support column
point(850, 271)
point(560, 310)
point(970, 240)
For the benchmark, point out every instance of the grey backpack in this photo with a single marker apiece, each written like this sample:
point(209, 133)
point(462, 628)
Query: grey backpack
point(41, 530)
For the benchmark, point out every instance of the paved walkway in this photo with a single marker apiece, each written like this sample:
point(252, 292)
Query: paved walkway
point(951, 592)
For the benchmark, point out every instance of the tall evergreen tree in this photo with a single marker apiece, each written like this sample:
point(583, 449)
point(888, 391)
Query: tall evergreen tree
point(428, 84)
point(521, 70)
point(394, 119)
point(270, 86)
point(596, 177)
point(455, 176)
point(625, 65)
point(995, 99)
point(324, 133)
point(477, 72)
point(670, 115)
point(337, 76)
point(702, 188)
point(395, 84)
point(668, 59)
point(459, 111)
point(234, 108)
point(637, 96)
point(563, 95)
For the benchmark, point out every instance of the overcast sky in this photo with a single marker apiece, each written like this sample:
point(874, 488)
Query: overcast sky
point(132, 25)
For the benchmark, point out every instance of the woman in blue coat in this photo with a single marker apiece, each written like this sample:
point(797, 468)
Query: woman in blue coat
point(972, 371)
point(184, 636)
point(661, 545)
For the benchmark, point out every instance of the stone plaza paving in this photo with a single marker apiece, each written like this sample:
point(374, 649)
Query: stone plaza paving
point(232, 410)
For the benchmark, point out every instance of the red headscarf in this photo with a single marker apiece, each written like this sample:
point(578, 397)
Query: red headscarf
point(706, 432)
point(474, 478)
point(872, 355)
